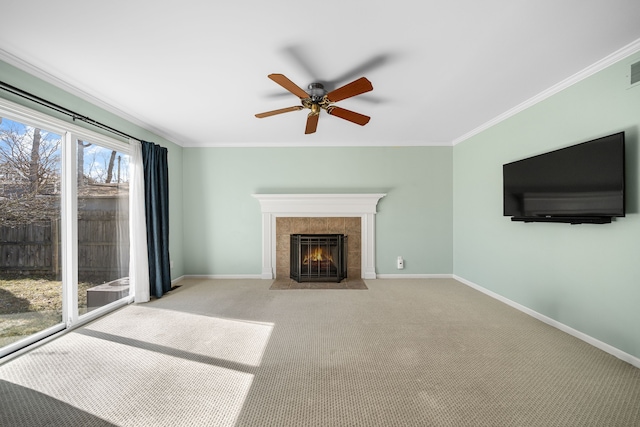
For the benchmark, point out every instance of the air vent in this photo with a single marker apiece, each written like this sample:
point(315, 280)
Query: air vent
point(635, 73)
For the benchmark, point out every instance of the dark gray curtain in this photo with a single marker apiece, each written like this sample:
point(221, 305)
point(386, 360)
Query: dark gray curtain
point(156, 197)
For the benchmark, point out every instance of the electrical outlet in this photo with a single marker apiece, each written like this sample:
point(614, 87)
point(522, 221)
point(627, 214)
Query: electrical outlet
point(400, 263)
point(170, 264)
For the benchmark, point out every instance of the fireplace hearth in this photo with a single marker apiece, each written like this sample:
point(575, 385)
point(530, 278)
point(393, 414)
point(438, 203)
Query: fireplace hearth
point(318, 257)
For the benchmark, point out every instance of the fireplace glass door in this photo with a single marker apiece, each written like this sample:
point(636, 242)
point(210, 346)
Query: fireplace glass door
point(318, 257)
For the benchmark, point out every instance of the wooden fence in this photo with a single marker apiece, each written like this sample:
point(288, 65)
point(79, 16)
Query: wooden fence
point(103, 247)
point(30, 248)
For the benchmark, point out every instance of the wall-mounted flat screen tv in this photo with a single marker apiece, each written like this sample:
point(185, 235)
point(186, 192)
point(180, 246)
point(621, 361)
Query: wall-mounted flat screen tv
point(583, 183)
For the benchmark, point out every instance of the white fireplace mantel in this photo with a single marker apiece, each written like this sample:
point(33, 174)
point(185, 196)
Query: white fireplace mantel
point(318, 205)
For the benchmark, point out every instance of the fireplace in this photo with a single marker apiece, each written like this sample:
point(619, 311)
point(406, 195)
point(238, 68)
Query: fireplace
point(295, 206)
point(318, 257)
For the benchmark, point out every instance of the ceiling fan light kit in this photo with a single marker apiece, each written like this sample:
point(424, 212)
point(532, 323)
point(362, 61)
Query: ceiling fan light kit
point(317, 99)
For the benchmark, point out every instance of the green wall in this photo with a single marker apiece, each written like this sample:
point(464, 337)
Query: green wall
point(584, 276)
point(222, 222)
point(29, 83)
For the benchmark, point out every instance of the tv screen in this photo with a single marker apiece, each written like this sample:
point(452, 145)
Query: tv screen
point(576, 184)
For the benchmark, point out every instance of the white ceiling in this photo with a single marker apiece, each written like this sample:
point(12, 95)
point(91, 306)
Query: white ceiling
point(195, 71)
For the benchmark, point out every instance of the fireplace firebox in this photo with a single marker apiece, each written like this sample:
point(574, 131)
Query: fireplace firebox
point(318, 257)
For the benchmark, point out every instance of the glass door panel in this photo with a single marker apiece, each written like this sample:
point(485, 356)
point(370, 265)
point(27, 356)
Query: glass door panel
point(31, 299)
point(103, 225)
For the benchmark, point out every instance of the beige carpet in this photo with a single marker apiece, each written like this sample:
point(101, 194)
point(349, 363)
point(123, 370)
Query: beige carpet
point(286, 284)
point(234, 353)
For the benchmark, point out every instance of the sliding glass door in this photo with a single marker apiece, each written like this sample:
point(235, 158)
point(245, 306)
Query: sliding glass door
point(103, 224)
point(64, 225)
point(31, 294)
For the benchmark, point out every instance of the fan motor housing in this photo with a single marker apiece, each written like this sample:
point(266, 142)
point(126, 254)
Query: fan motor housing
point(316, 91)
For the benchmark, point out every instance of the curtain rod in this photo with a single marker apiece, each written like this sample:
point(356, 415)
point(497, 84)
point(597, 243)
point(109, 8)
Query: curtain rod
point(75, 116)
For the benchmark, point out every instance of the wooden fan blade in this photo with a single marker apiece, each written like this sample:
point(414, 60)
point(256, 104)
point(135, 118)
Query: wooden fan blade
point(352, 116)
point(283, 81)
point(354, 88)
point(280, 111)
point(312, 123)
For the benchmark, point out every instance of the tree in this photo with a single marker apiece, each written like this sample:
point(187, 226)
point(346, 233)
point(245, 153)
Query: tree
point(30, 165)
point(35, 162)
point(32, 157)
point(81, 147)
point(112, 159)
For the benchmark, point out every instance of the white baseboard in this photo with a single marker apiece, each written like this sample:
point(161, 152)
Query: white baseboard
point(552, 322)
point(415, 276)
point(176, 280)
point(224, 276)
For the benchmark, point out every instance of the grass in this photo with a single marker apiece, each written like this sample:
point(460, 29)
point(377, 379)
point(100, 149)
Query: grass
point(35, 294)
point(29, 304)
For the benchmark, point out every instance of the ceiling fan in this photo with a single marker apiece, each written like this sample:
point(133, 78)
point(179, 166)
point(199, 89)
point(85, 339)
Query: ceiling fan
point(318, 99)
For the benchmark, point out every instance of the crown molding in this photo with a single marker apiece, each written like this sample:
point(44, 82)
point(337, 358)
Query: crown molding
point(605, 62)
point(302, 143)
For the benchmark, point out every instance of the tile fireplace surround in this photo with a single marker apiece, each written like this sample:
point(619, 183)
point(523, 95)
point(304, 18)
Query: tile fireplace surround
point(349, 226)
point(325, 206)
